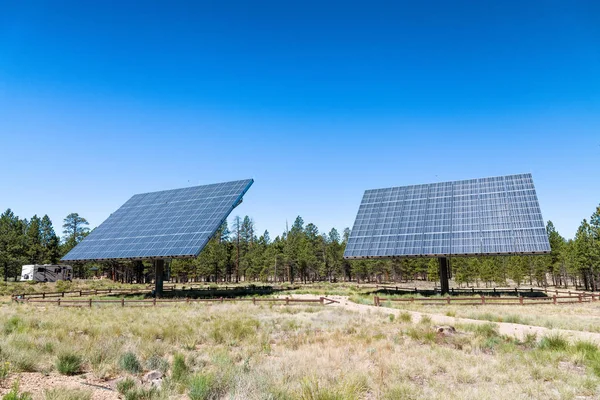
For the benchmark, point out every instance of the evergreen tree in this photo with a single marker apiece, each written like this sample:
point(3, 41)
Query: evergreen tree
point(35, 250)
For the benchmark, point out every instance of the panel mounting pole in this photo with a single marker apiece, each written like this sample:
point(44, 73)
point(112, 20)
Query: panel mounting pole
point(445, 285)
point(159, 268)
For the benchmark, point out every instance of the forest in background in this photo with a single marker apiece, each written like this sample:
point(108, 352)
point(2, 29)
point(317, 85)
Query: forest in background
point(303, 254)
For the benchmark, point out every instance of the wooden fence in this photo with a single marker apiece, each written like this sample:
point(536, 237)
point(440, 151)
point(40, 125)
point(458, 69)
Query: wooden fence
point(166, 288)
point(154, 302)
point(525, 291)
point(494, 300)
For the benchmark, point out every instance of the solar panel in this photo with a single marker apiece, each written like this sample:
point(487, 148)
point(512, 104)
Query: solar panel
point(165, 224)
point(499, 215)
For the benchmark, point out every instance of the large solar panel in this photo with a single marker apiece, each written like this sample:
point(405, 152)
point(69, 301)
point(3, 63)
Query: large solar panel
point(499, 215)
point(166, 224)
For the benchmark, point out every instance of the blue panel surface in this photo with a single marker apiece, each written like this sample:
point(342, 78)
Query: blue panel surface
point(165, 224)
point(498, 215)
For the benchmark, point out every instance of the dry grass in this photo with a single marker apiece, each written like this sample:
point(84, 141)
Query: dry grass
point(580, 317)
point(242, 351)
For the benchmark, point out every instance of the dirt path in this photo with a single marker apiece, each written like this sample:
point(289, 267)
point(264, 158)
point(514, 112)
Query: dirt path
point(517, 330)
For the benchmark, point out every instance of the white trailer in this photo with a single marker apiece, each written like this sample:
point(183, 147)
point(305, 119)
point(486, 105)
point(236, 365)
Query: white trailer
point(46, 273)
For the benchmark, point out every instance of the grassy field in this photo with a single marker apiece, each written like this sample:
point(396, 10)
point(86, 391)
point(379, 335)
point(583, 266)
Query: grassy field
point(242, 351)
point(581, 317)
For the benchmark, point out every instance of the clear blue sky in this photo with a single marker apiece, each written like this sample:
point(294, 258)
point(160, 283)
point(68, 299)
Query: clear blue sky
point(317, 102)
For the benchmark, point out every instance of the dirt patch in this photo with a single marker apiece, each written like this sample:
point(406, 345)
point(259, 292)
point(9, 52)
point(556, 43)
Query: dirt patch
point(37, 383)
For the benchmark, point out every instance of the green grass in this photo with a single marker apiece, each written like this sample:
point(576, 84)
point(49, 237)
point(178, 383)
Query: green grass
point(125, 385)
point(554, 342)
point(68, 363)
point(67, 394)
point(130, 363)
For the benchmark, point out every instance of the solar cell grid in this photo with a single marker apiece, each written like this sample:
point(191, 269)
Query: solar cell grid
point(171, 223)
point(498, 215)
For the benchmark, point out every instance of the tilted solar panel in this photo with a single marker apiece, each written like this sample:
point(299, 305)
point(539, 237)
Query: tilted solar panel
point(499, 215)
point(165, 224)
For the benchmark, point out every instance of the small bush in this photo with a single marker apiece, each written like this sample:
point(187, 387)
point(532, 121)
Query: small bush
point(554, 342)
point(15, 395)
point(486, 330)
point(391, 317)
point(203, 387)
point(179, 370)
point(67, 394)
point(405, 317)
point(14, 324)
point(158, 363)
point(142, 394)
point(4, 371)
point(68, 363)
point(125, 385)
point(425, 319)
point(130, 363)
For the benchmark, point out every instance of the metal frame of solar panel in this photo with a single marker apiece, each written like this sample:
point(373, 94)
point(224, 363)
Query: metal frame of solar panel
point(162, 225)
point(488, 216)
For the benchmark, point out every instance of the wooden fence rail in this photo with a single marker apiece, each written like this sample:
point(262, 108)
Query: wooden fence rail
point(491, 290)
point(166, 288)
point(153, 302)
point(494, 300)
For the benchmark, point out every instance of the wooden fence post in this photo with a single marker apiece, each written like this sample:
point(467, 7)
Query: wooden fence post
point(579, 297)
point(412, 299)
point(287, 301)
point(90, 302)
point(375, 300)
point(254, 300)
point(63, 294)
point(448, 299)
point(43, 295)
point(482, 299)
point(221, 299)
point(322, 300)
point(58, 302)
point(123, 302)
point(521, 300)
point(554, 299)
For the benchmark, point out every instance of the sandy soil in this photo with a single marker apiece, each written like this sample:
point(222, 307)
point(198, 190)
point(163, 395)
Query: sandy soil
point(36, 383)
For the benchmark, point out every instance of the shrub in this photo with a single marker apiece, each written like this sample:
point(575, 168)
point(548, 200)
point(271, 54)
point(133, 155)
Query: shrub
point(125, 385)
point(486, 330)
point(179, 370)
point(203, 387)
point(405, 317)
point(68, 363)
point(14, 324)
point(67, 394)
point(554, 342)
point(4, 371)
point(15, 395)
point(158, 363)
point(130, 363)
point(142, 394)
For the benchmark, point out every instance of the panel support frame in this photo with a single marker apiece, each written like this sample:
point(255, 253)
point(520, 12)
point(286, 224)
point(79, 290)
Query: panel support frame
point(444, 282)
point(159, 270)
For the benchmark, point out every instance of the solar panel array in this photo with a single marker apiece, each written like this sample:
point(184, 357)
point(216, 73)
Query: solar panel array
point(166, 224)
point(499, 215)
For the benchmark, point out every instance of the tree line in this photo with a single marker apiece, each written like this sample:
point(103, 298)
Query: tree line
point(35, 241)
point(303, 253)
